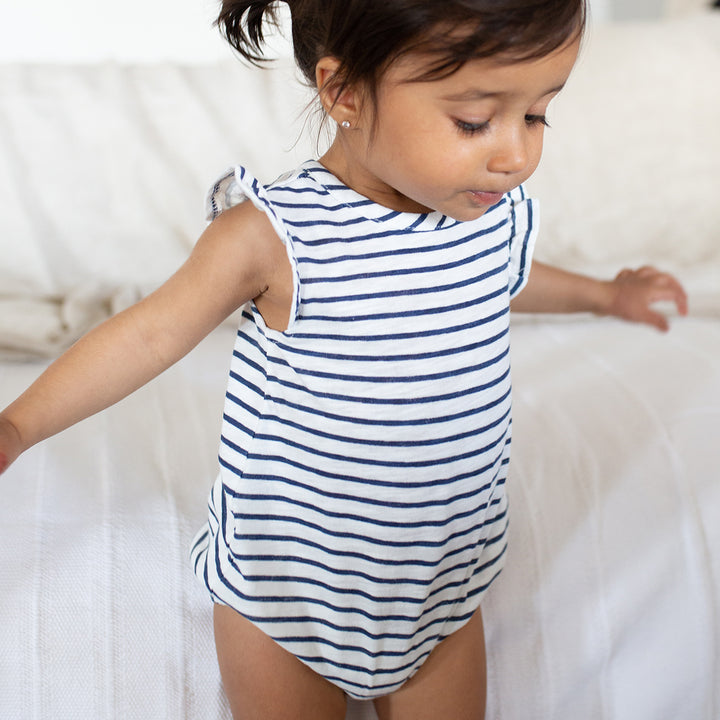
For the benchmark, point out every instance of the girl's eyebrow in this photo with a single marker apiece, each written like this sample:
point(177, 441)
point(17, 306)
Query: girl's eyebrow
point(478, 94)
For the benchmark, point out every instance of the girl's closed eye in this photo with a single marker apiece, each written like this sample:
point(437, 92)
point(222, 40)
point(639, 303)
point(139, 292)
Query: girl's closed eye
point(471, 128)
point(537, 120)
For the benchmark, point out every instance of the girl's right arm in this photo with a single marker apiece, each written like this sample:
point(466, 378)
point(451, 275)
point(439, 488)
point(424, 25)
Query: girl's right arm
point(629, 296)
point(238, 258)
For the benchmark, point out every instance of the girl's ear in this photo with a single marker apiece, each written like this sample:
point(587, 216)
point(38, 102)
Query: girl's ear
point(342, 104)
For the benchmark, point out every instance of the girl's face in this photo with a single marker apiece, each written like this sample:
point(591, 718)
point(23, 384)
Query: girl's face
point(454, 145)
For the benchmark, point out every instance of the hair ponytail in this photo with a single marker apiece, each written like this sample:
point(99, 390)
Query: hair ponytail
point(243, 23)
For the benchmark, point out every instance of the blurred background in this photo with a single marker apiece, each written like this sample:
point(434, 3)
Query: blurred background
point(47, 30)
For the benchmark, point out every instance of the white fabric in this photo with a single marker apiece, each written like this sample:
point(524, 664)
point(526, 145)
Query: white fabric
point(614, 498)
point(608, 607)
point(103, 169)
point(45, 326)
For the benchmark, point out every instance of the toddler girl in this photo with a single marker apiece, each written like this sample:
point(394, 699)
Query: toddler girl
point(360, 511)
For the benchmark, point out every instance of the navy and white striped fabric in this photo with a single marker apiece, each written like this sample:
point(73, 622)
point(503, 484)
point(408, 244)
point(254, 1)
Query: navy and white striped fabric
point(360, 509)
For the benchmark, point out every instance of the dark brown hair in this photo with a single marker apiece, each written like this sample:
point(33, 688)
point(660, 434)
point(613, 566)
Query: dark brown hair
point(366, 36)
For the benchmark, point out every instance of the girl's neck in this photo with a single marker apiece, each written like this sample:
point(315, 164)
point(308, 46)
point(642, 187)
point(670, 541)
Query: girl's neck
point(340, 161)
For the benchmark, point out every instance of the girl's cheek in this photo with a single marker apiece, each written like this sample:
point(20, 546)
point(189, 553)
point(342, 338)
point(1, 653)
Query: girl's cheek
point(3, 462)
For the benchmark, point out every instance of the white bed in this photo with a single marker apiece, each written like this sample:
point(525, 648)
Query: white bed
point(609, 608)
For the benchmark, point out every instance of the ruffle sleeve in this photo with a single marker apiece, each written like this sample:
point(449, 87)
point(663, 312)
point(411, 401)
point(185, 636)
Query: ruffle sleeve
point(525, 216)
point(235, 186)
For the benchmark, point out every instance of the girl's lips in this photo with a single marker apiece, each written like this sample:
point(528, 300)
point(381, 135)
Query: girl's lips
point(486, 198)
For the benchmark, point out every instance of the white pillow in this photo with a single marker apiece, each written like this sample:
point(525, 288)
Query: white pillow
point(104, 169)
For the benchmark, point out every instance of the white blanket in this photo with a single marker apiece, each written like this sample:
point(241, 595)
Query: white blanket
point(608, 607)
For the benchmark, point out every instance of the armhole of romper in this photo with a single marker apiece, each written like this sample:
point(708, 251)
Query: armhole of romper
point(238, 185)
point(524, 218)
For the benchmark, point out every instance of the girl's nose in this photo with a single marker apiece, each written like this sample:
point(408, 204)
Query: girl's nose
point(510, 153)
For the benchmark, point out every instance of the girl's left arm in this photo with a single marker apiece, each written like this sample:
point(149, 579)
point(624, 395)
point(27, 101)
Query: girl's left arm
point(630, 295)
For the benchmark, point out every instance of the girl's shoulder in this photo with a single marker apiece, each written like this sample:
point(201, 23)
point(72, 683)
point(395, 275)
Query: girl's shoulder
point(238, 184)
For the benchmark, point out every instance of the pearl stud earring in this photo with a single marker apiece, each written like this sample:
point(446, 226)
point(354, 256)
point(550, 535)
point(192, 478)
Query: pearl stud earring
point(345, 124)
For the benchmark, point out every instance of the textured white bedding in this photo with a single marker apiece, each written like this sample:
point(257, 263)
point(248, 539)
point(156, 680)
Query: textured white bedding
point(608, 608)
point(615, 491)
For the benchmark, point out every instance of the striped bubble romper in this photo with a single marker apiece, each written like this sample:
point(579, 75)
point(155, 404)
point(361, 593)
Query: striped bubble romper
point(360, 513)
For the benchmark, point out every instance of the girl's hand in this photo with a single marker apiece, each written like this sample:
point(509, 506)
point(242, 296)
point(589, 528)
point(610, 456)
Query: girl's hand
point(10, 445)
point(629, 296)
point(633, 292)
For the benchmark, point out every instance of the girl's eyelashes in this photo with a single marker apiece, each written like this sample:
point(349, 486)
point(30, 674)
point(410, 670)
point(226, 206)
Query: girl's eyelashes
point(533, 120)
point(469, 128)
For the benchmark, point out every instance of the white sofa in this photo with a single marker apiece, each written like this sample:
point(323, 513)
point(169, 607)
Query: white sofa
point(609, 608)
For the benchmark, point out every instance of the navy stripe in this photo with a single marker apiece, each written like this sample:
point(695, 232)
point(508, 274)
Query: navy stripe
point(330, 223)
point(378, 541)
point(406, 291)
point(351, 572)
point(383, 561)
point(345, 630)
point(361, 461)
point(414, 313)
point(384, 401)
point(395, 272)
point(412, 335)
point(379, 501)
point(387, 358)
point(360, 239)
point(380, 443)
point(356, 591)
point(394, 253)
point(371, 421)
point(405, 485)
point(318, 205)
point(345, 458)
point(387, 379)
point(346, 647)
point(363, 519)
point(320, 472)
